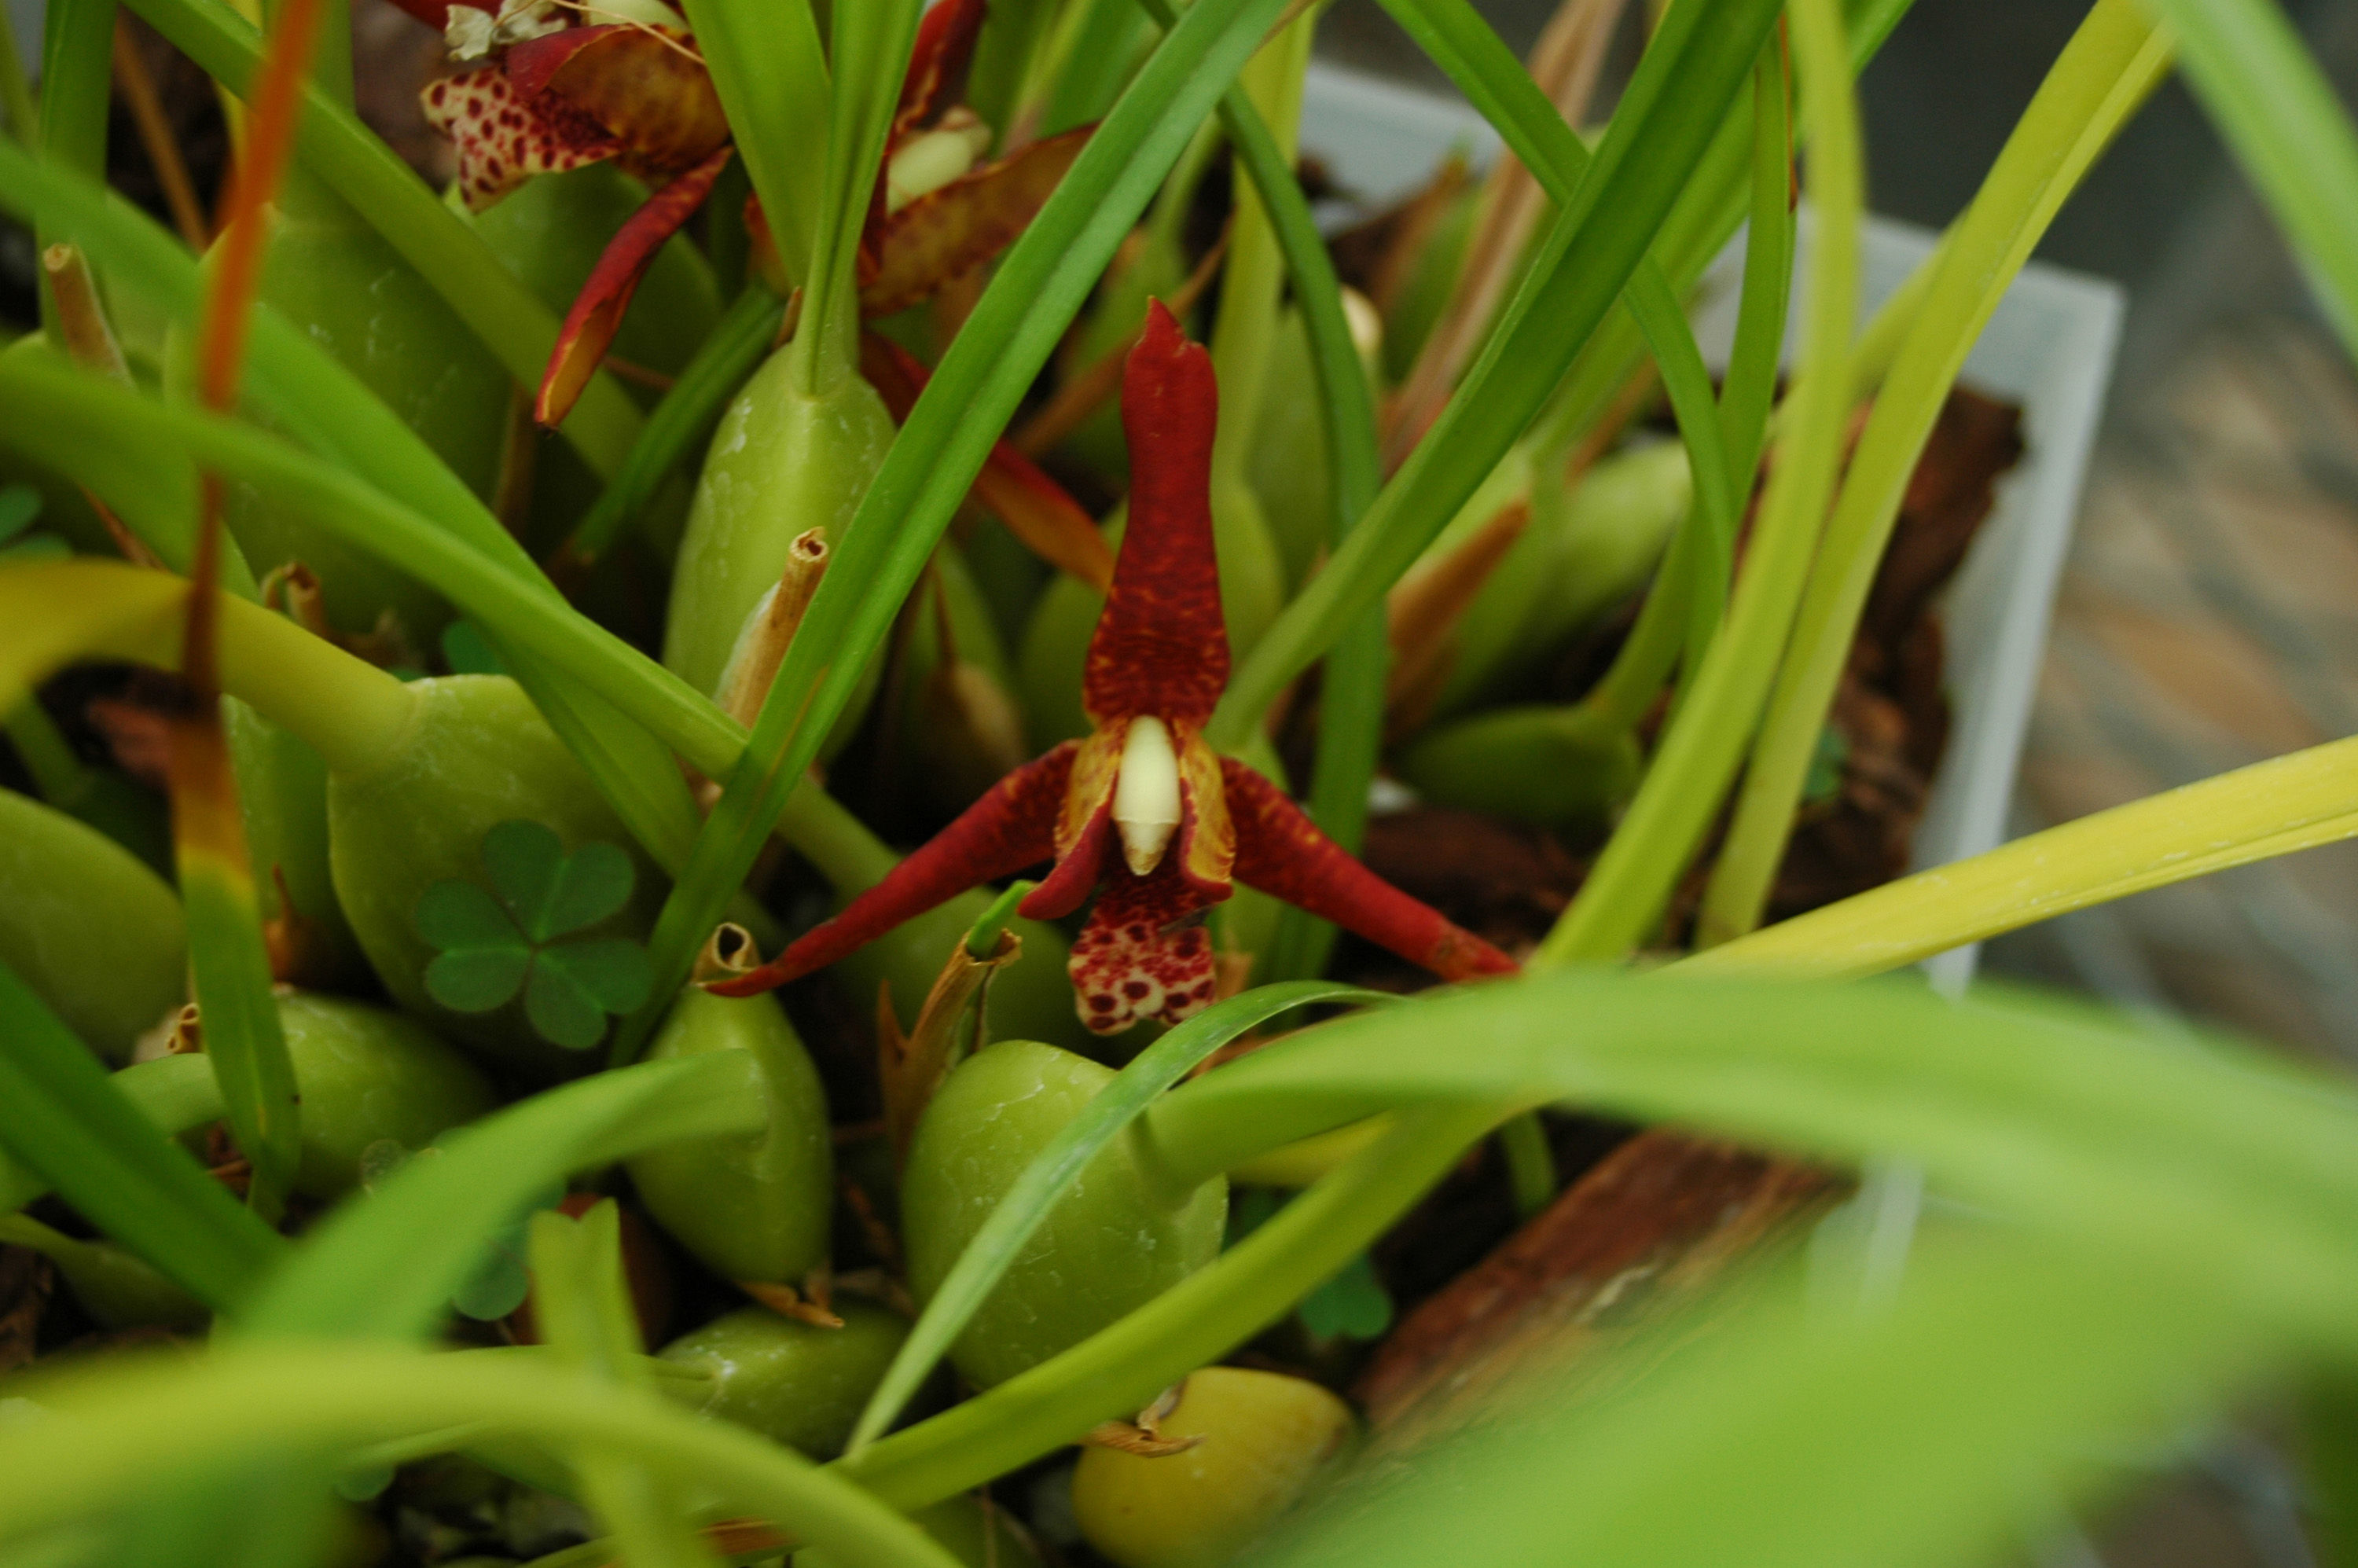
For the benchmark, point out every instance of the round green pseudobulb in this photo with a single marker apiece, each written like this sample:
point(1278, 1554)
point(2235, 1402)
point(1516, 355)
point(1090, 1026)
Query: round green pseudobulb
point(342, 284)
point(750, 1207)
point(780, 463)
point(479, 754)
point(792, 1382)
point(1265, 1439)
point(367, 1074)
point(97, 935)
point(1115, 1240)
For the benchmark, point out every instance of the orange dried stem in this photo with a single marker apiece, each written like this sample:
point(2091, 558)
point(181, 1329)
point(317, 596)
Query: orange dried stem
point(229, 301)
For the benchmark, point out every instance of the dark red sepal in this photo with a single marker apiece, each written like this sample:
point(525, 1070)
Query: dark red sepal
point(1161, 646)
point(937, 64)
point(1034, 508)
point(1012, 827)
point(1281, 851)
point(596, 312)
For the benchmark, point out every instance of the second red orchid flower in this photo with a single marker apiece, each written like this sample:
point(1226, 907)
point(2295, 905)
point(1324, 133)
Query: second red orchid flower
point(553, 97)
point(1143, 813)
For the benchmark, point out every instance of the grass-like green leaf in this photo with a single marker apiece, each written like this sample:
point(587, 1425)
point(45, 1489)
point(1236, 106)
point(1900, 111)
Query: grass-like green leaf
point(2288, 130)
point(1045, 1181)
point(1929, 1433)
point(63, 1119)
point(171, 1094)
point(2216, 1160)
point(2112, 61)
point(384, 1267)
point(137, 1419)
point(1696, 758)
point(772, 77)
point(1667, 118)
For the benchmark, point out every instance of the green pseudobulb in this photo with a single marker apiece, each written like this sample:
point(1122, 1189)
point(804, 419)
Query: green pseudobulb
point(1262, 1440)
point(83, 922)
point(781, 463)
point(367, 1074)
point(750, 1207)
point(1113, 1242)
point(794, 1382)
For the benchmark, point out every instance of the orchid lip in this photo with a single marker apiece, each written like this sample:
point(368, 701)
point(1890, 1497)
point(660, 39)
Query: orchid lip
point(1146, 792)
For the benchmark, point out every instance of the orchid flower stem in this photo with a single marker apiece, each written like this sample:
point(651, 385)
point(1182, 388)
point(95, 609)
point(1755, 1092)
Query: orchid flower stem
point(1626, 890)
point(2115, 60)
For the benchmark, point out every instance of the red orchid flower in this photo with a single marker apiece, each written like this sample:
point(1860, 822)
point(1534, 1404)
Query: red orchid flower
point(638, 93)
point(1142, 813)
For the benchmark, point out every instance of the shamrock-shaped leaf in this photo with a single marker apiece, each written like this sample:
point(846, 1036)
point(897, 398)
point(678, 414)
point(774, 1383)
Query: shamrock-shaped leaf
point(552, 893)
point(489, 948)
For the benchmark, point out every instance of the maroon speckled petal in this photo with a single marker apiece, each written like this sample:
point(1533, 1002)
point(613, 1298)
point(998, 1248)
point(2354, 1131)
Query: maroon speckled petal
point(1009, 828)
point(1161, 646)
point(1145, 951)
point(1282, 852)
point(504, 140)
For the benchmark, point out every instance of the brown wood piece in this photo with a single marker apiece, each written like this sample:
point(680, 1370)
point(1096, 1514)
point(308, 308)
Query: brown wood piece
point(1660, 1218)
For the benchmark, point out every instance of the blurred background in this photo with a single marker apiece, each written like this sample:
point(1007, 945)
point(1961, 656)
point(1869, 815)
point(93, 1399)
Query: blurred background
point(2209, 614)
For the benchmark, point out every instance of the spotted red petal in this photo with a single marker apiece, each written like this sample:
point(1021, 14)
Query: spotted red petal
point(1161, 646)
point(1034, 508)
point(597, 313)
point(1145, 951)
point(645, 86)
point(1282, 852)
point(1011, 826)
point(504, 140)
point(906, 255)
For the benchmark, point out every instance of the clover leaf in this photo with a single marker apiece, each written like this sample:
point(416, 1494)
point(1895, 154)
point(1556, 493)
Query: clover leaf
point(490, 947)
